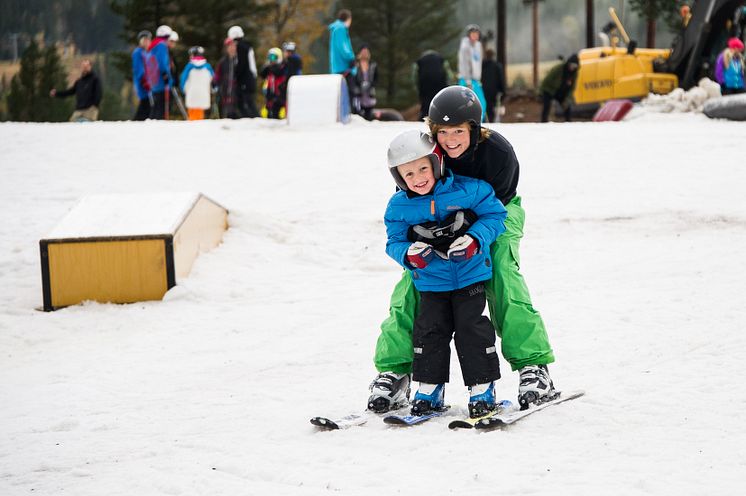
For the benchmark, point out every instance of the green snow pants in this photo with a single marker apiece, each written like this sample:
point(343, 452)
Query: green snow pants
point(524, 339)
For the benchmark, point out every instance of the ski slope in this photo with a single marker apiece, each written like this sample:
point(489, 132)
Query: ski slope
point(633, 251)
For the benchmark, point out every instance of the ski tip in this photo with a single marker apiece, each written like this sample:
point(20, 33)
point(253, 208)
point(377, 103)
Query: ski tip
point(489, 424)
point(394, 420)
point(460, 424)
point(324, 423)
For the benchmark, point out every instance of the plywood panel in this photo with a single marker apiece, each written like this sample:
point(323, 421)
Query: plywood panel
point(118, 271)
point(201, 231)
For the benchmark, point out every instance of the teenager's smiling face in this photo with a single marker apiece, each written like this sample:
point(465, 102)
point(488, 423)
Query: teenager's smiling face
point(454, 140)
point(418, 174)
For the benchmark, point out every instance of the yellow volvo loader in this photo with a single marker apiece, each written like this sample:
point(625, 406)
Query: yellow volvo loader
point(629, 72)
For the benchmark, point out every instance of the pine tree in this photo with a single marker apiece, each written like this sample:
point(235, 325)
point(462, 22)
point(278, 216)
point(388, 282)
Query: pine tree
point(397, 34)
point(29, 100)
point(653, 10)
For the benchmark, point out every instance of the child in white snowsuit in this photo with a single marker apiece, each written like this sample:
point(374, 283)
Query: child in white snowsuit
point(196, 83)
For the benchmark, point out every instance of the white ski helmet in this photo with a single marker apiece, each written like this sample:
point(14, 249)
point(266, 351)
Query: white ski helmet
point(163, 31)
point(174, 36)
point(235, 32)
point(409, 146)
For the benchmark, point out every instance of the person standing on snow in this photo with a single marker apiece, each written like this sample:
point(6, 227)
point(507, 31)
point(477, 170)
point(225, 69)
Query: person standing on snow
point(559, 84)
point(431, 73)
point(246, 73)
point(341, 55)
point(87, 91)
point(158, 71)
point(274, 74)
point(363, 84)
point(196, 84)
point(225, 81)
point(493, 82)
point(142, 86)
point(729, 68)
point(470, 63)
point(473, 151)
point(293, 61)
point(448, 272)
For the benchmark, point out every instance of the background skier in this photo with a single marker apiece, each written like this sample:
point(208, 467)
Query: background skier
point(139, 79)
point(431, 73)
point(274, 74)
point(493, 83)
point(245, 73)
point(470, 64)
point(87, 91)
point(158, 70)
point(196, 84)
point(729, 68)
point(293, 61)
point(363, 84)
point(225, 81)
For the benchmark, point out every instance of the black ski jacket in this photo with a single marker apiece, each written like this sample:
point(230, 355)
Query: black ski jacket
point(245, 76)
point(493, 161)
point(431, 76)
point(87, 91)
point(493, 79)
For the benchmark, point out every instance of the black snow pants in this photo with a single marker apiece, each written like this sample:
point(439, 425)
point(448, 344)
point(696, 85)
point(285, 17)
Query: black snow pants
point(158, 108)
point(441, 315)
point(143, 110)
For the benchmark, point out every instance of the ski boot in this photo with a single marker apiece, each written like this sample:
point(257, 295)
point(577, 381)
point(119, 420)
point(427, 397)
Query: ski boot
point(536, 386)
point(481, 399)
point(389, 391)
point(428, 399)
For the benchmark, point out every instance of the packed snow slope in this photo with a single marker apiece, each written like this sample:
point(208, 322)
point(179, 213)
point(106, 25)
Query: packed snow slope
point(633, 250)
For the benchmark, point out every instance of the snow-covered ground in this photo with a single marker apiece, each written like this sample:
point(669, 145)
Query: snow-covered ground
point(634, 253)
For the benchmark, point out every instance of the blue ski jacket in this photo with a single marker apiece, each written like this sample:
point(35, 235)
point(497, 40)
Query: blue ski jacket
point(139, 57)
point(451, 194)
point(160, 72)
point(341, 55)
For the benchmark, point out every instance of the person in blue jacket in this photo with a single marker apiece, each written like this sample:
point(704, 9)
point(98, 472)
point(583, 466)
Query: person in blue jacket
point(142, 87)
point(158, 70)
point(439, 227)
point(341, 55)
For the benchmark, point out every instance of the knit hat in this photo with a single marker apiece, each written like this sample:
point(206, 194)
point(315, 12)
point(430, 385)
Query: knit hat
point(735, 44)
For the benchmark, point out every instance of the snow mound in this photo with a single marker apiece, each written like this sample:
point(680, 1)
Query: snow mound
point(680, 100)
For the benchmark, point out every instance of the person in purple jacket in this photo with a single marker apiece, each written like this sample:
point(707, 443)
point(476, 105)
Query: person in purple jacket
point(440, 227)
point(729, 68)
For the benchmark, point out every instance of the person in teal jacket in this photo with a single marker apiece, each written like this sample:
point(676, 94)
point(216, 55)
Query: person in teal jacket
point(437, 226)
point(341, 55)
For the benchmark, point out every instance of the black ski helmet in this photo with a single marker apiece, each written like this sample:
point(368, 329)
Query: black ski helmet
point(454, 105)
point(196, 51)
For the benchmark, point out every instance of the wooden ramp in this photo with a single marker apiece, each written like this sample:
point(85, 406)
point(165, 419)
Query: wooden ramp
point(127, 248)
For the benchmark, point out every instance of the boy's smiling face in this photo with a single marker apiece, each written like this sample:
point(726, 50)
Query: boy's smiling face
point(418, 174)
point(454, 140)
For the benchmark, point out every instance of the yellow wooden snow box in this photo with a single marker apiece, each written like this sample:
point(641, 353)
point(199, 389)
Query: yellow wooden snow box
point(127, 248)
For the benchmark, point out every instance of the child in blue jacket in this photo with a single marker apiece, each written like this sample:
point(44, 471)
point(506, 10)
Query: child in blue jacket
point(437, 227)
